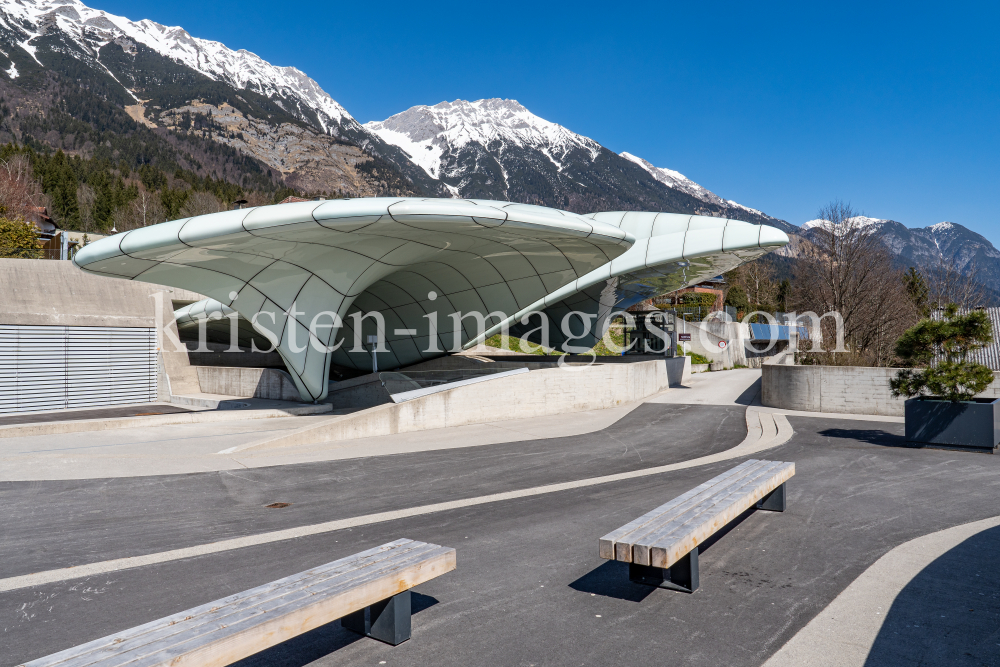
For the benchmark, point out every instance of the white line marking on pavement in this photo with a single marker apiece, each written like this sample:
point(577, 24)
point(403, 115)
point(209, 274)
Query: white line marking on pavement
point(764, 431)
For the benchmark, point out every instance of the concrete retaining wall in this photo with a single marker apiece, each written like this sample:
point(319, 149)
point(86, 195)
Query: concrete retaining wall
point(267, 383)
point(367, 390)
point(43, 292)
point(55, 293)
point(535, 394)
point(839, 389)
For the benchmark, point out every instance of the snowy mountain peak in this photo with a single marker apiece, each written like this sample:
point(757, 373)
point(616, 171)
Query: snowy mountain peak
point(942, 227)
point(92, 29)
point(678, 181)
point(427, 133)
point(675, 179)
point(857, 221)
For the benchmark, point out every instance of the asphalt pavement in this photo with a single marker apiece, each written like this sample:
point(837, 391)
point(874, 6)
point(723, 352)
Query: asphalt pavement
point(530, 588)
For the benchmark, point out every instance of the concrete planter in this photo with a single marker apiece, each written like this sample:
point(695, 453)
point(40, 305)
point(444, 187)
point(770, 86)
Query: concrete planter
point(974, 424)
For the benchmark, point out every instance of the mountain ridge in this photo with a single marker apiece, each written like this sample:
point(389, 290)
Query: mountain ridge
point(192, 92)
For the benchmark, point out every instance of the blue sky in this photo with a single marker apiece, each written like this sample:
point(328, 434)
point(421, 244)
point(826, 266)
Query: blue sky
point(780, 106)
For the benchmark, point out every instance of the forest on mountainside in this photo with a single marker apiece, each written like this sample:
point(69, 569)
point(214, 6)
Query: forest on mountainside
point(96, 169)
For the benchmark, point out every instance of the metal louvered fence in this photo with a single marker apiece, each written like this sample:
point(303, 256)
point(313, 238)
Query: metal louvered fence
point(56, 367)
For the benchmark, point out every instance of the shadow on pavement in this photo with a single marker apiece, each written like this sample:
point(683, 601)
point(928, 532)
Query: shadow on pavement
point(949, 614)
point(748, 396)
point(611, 580)
point(871, 436)
point(311, 646)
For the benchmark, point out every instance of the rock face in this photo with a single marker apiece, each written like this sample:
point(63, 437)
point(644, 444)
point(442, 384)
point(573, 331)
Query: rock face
point(929, 248)
point(308, 160)
point(183, 86)
point(162, 74)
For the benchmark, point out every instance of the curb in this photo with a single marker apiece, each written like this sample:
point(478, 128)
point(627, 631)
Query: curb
point(86, 425)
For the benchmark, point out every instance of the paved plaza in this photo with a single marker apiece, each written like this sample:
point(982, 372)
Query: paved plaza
point(530, 589)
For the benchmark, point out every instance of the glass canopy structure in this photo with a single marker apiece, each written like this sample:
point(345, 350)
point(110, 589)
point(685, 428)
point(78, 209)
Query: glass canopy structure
point(426, 276)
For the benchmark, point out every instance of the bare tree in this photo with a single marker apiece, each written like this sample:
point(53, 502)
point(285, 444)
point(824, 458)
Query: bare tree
point(86, 196)
point(853, 274)
point(757, 280)
point(20, 193)
point(201, 203)
point(946, 285)
point(146, 209)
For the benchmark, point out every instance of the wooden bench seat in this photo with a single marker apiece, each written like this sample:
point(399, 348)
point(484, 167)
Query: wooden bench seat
point(661, 547)
point(369, 591)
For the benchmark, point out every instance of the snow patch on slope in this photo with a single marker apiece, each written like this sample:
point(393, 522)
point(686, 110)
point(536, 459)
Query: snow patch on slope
point(427, 133)
point(678, 181)
point(91, 29)
point(859, 221)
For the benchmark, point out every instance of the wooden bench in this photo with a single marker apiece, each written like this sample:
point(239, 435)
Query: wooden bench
point(661, 547)
point(369, 591)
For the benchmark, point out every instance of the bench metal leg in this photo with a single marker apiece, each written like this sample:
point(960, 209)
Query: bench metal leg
point(387, 621)
point(681, 576)
point(774, 501)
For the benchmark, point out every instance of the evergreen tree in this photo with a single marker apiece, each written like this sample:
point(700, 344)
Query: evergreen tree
point(943, 347)
point(916, 288)
point(18, 239)
point(173, 200)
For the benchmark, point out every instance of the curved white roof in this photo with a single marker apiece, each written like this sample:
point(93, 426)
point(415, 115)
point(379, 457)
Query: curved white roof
point(290, 268)
point(286, 265)
point(672, 250)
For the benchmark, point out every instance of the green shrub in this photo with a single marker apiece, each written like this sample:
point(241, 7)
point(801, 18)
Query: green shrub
point(698, 359)
point(18, 239)
point(949, 340)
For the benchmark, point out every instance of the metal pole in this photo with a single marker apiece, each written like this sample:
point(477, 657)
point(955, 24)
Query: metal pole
point(373, 341)
point(63, 246)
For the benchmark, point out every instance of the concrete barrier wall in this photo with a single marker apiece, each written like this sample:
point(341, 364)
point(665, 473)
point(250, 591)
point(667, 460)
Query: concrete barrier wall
point(267, 383)
point(839, 389)
point(367, 390)
point(534, 394)
point(55, 293)
point(50, 292)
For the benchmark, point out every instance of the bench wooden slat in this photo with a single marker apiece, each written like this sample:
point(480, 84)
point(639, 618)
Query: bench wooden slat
point(226, 628)
point(191, 615)
point(666, 534)
point(229, 629)
point(163, 628)
point(706, 505)
point(617, 545)
point(670, 548)
point(623, 534)
point(699, 513)
point(219, 646)
point(162, 647)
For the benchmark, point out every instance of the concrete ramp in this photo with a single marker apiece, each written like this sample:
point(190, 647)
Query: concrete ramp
point(535, 394)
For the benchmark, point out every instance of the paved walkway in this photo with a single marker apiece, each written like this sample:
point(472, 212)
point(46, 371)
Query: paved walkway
point(870, 521)
point(911, 606)
point(177, 449)
point(530, 587)
point(135, 410)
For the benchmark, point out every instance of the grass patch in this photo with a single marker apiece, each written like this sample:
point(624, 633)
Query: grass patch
point(697, 358)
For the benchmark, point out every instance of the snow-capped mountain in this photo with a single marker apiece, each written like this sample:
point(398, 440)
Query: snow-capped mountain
point(498, 149)
point(163, 76)
point(929, 248)
point(678, 181)
point(429, 135)
point(29, 21)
